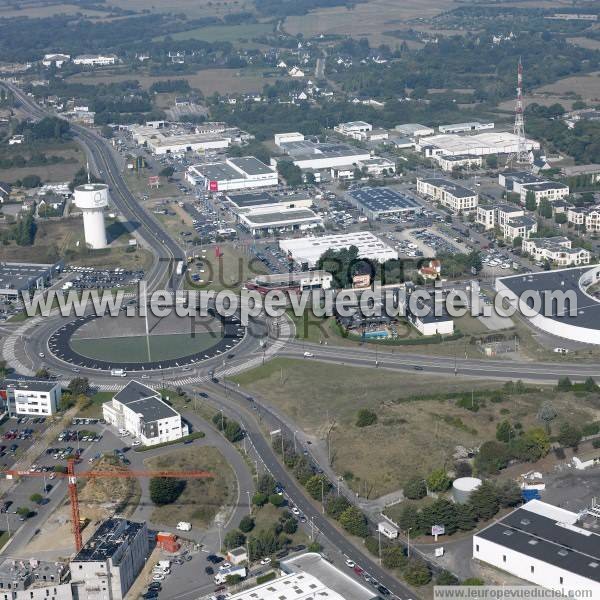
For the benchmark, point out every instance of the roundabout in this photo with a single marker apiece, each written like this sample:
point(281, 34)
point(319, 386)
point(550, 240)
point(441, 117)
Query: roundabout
point(129, 343)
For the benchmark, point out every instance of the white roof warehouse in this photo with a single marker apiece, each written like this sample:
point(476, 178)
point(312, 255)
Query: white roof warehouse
point(241, 173)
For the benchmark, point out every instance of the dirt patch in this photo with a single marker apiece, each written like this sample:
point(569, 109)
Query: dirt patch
point(202, 499)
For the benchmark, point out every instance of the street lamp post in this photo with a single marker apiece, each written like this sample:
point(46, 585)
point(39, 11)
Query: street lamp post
point(408, 542)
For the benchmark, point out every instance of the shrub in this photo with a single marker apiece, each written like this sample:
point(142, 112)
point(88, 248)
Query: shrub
point(354, 522)
point(438, 480)
point(394, 558)
point(246, 524)
point(446, 578)
point(276, 499)
point(259, 499)
point(417, 572)
point(415, 488)
point(366, 417)
point(164, 490)
point(266, 577)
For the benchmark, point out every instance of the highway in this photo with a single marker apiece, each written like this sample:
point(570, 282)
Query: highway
point(164, 249)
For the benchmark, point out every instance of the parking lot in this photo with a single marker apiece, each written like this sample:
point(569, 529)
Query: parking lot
point(85, 278)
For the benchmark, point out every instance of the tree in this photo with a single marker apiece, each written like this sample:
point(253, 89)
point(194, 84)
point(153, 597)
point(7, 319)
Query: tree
point(233, 539)
point(438, 480)
point(546, 414)
point(589, 385)
point(504, 432)
point(439, 512)
point(233, 431)
point(484, 501)
point(290, 526)
point(246, 524)
point(80, 386)
point(408, 517)
point(24, 511)
point(366, 417)
point(167, 171)
point(318, 487)
point(303, 470)
point(265, 484)
point(276, 499)
point(290, 172)
point(31, 181)
point(492, 457)
point(545, 208)
point(417, 572)
point(532, 445)
point(530, 203)
point(569, 436)
point(165, 490)
point(463, 469)
point(336, 505)
point(415, 488)
point(509, 493)
point(517, 242)
point(491, 161)
point(446, 578)
point(564, 384)
point(259, 499)
point(394, 558)
point(354, 522)
point(106, 132)
point(36, 498)
point(466, 519)
point(42, 373)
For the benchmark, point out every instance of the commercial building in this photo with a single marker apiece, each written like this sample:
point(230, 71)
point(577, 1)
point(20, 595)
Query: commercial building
point(460, 161)
point(414, 130)
point(307, 154)
point(382, 202)
point(34, 580)
point(291, 282)
point(378, 166)
point(141, 411)
point(56, 60)
point(276, 219)
point(263, 199)
point(465, 127)
point(448, 193)
point(547, 190)
point(284, 138)
point(95, 60)
point(110, 561)
point(356, 130)
point(544, 544)
point(16, 278)
point(241, 173)
point(39, 398)
point(481, 144)
point(557, 250)
point(308, 250)
point(577, 320)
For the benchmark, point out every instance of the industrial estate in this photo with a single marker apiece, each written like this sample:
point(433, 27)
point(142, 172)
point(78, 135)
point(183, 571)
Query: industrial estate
point(170, 171)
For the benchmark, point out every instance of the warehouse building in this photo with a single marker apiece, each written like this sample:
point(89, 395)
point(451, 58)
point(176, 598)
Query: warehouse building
point(33, 398)
point(307, 154)
point(16, 278)
point(546, 545)
point(465, 127)
point(414, 130)
point(110, 561)
point(142, 412)
point(95, 60)
point(285, 138)
point(448, 193)
point(481, 144)
point(308, 250)
point(357, 130)
point(278, 219)
point(382, 202)
point(241, 173)
point(291, 282)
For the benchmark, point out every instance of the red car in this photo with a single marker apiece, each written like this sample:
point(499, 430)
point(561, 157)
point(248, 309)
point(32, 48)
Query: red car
point(358, 570)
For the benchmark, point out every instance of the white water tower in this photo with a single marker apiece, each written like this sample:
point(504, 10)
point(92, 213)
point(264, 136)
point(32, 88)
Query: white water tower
point(92, 199)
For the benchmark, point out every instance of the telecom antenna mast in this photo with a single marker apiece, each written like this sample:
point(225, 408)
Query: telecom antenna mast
point(522, 155)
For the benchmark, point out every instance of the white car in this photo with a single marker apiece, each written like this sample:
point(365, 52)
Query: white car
point(265, 561)
point(561, 350)
point(158, 577)
point(224, 565)
point(41, 355)
point(295, 511)
point(136, 443)
point(308, 355)
point(350, 563)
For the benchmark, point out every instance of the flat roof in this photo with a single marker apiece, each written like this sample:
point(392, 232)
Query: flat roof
point(540, 536)
point(251, 165)
point(21, 276)
point(522, 177)
point(545, 185)
point(412, 127)
point(34, 385)
point(308, 150)
point(315, 565)
point(383, 199)
point(453, 188)
point(566, 280)
point(278, 216)
point(108, 539)
point(247, 200)
point(217, 171)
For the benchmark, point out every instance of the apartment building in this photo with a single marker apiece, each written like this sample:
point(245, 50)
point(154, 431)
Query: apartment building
point(39, 398)
point(448, 193)
point(557, 250)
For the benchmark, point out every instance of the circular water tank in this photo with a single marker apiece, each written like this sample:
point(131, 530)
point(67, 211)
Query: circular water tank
point(463, 487)
point(91, 196)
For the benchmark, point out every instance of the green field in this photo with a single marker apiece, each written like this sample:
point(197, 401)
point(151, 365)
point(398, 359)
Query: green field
point(224, 33)
point(135, 348)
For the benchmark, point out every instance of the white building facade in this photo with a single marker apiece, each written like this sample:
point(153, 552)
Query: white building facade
point(32, 398)
point(449, 194)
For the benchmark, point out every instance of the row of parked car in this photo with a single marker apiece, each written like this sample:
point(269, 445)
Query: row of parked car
point(16, 434)
point(72, 435)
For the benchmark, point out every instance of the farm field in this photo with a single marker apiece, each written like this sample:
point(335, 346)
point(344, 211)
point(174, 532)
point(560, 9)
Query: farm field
point(193, 9)
point(584, 42)
point(38, 10)
point(202, 499)
point(369, 19)
point(209, 81)
point(414, 434)
point(587, 86)
point(224, 33)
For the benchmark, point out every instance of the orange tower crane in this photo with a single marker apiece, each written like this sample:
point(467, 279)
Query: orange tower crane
point(72, 477)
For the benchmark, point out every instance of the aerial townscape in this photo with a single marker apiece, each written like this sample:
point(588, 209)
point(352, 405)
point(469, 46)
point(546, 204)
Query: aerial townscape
point(299, 299)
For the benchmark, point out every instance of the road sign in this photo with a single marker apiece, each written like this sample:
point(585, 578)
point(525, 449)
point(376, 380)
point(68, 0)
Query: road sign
point(438, 530)
point(154, 181)
point(439, 551)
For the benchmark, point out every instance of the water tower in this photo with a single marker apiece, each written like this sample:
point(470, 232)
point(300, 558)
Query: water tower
point(92, 199)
